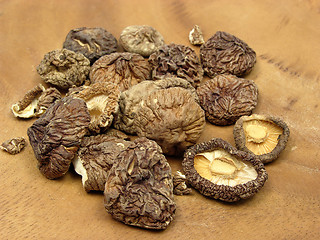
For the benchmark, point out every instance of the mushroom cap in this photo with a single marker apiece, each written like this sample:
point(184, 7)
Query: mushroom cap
point(141, 39)
point(228, 165)
point(225, 53)
point(262, 135)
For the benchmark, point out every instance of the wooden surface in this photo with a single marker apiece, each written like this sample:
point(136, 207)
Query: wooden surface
point(286, 37)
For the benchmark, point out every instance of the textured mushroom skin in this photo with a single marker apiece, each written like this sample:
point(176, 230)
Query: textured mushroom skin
point(64, 68)
point(225, 53)
point(175, 60)
point(97, 155)
point(56, 135)
point(139, 188)
point(160, 111)
point(123, 69)
point(14, 145)
point(226, 98)
point(110, 106)
point(93, 43)
point(223, 192)
point(143, 39)
point(240, 138)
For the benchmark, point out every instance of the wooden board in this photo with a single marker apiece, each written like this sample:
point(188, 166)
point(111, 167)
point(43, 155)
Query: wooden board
point(285, 35)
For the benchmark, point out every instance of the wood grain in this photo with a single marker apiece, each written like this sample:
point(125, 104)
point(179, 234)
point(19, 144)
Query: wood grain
point(285, 34)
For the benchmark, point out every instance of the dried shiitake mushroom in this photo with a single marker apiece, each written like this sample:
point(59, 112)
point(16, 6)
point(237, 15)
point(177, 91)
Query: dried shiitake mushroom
point(123, 69)
point(35, 102)
point(163, 110)
point(14, 145)
point(139, 189)
point(220, 171)
point(225, 53)
point(143, 39)
point(102, 102)
point(264, 136)
point(226, 98)
point(64, 68)
point(95, 158)
point(93, 43)
point(175, 60)
point(56, 135)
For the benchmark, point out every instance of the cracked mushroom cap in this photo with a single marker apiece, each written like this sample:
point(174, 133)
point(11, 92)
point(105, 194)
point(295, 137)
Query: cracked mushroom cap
point(96, 156)
point(264, 136)
point(220, 171)
point(102, 102)
point(160, 111)
point(139, 187)
point(56, 135)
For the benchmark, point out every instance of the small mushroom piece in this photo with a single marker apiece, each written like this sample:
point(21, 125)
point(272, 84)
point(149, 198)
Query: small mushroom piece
point(225, 53)
point(195, 36)
point(102, 102)
point(35, 102)
point(139, 188)
point(175, 60)
point(123, 69)
point(95, 158)
point(264, 136)
point(56, 135)
point(26, 107)
point(14, 145)
point(93, 43)
point(64, 68)
point(220, 171)
point(160, 111)
point(179, 184)
point(143, 39)
point(226, 98)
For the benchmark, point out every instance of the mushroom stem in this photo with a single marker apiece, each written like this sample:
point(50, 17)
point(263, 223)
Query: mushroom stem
point(256, 133)
point(222, 166)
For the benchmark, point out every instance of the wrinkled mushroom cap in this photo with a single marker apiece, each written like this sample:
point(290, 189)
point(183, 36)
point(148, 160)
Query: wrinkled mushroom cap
point(264, 136)
point(218, 170)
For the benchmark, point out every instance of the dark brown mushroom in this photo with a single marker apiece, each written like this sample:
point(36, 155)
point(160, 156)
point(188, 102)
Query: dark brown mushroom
point(123, 69)
point(226, 98)
point(143, 39)
point(93, 43)
point(179, 184)
point(96, 156)
point(139, 188)
point(264, 136)
point(56, 135)
point(175, 60)
point(225, 53)
point(220, 171)
point(163, 111)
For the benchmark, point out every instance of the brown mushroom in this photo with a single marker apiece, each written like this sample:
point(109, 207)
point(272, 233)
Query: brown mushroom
point(139, 188)
point(102, 102)
point(163, 111)
point(179, 184)
point(264, 136)
point(95, 158)
point(123, 69)
point(220, 171)
point(143, 39)
point(56, 135)
point(176, 60)
point(225, 98)
point(225, 53)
